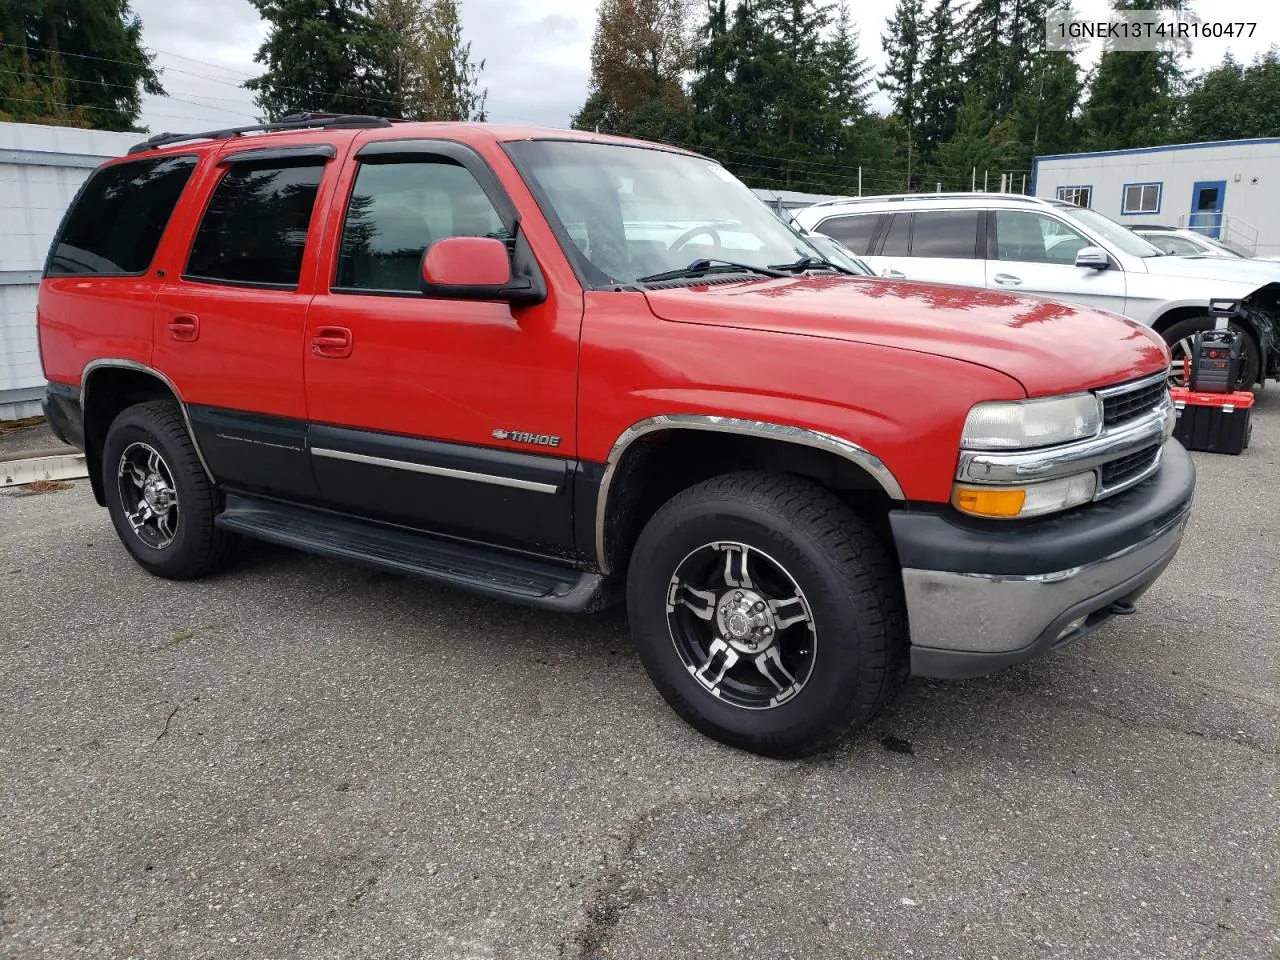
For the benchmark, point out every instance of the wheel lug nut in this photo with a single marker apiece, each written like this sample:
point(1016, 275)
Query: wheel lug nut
point(759, 605)
point(738, 595)
point(767, 631)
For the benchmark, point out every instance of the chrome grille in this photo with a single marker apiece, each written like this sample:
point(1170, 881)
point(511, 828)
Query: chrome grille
point(1130, 401)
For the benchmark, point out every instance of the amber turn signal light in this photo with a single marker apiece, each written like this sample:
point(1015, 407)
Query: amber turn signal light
point(989, 502)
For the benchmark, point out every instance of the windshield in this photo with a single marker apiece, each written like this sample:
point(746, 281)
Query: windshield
point(1113, 233)
point(631, 212)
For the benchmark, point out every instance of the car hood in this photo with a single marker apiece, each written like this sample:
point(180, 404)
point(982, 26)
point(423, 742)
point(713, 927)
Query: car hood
point(1226, 269)
point(1049, 347)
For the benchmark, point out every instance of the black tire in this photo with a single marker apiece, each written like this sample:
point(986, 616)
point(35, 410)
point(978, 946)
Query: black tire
point(1178, 337)
point(197, 547)
point(850, 584)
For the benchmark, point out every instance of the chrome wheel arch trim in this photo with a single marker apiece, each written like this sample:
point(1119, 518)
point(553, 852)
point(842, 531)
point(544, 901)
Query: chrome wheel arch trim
point(124, 364)
point(762, 429)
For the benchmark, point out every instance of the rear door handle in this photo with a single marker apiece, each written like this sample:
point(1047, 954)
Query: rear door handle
point(331, 342)
point(893, 274)
point(185, 327)
point(1008, 280)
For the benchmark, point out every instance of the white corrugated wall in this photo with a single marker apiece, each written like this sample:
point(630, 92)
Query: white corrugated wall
point(41, 168)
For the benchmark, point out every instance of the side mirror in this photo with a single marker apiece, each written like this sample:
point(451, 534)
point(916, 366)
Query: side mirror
point(476, 268)
point(1093, 258)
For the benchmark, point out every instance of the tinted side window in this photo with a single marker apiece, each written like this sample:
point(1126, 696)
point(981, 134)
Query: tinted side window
point(1035, 238)
point(897, 240)
point(397, 210)
point(946, 233)
point(854, 232)
point(118, 219)
point(255, 229)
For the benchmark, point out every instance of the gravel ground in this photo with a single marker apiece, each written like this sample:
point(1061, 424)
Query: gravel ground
point(304, 759)
point(29, 438)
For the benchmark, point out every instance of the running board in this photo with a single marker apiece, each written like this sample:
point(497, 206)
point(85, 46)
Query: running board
point(481, 570)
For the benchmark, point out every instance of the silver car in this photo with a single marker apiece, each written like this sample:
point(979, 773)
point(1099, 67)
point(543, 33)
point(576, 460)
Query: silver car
point(1184, 243)
point(1054, 249)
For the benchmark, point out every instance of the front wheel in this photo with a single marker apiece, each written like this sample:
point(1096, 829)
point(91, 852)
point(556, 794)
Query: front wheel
point(767, 613)
point(1181, 339)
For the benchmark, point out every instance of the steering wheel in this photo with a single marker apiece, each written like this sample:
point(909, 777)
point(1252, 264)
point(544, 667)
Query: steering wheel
point(680, 242)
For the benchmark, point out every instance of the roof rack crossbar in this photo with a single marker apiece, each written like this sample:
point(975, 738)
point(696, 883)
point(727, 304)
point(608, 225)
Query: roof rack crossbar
point(295, 121)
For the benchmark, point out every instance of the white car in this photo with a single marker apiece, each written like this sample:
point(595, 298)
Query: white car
point(1054, 249)
point(1185, 243)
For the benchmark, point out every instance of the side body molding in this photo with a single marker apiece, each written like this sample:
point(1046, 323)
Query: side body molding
point(151, 371)
point(748, 428)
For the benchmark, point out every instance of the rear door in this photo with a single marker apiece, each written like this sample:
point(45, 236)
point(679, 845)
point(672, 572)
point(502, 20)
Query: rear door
point(1033, 252)
point(230, 319)
point(946, 248)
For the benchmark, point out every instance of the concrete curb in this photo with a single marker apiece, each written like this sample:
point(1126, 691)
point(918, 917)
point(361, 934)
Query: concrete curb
point(32, 469)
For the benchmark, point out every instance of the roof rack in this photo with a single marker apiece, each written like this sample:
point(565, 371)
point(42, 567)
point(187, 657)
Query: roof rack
point(901, 197)
point(295, 121)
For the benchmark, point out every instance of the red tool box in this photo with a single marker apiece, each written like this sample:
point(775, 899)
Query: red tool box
point(1215, 422)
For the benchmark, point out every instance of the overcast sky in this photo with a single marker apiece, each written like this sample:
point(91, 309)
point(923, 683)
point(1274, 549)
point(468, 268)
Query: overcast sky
point(537, 53)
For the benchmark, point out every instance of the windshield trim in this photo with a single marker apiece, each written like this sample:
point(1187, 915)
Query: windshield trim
point(567, 247)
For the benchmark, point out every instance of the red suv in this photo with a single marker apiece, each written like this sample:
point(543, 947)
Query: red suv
point(562, 369)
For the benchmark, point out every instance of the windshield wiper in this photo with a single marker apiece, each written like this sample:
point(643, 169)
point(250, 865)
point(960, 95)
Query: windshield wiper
point(810, 263)
point(712, 265)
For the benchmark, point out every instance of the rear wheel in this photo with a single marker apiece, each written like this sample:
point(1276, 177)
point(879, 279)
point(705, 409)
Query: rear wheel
point(159, 497)
point(1181, 337)
point(767, 613)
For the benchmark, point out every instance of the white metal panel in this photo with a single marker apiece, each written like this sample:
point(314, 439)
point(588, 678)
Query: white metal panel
point(1253, 198)
point(36, 186)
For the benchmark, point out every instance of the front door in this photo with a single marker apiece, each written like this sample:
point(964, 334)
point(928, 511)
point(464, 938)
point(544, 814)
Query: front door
point(1033, 252)
point(1207, 198)
point(455, 416)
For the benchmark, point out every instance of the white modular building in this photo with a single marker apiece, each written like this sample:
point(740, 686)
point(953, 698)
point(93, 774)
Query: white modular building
point(41, 168)
point(1228, 189)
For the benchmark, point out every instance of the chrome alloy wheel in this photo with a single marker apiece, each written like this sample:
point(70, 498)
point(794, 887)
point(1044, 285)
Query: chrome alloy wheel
point(741, 625)
point(148, 495)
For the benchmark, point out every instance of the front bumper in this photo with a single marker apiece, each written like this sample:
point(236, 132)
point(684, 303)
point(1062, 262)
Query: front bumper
point(985, 595)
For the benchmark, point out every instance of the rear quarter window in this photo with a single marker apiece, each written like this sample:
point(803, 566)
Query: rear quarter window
point(119, 216)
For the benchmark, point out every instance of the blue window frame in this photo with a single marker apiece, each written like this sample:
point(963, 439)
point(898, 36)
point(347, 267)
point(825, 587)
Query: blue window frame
point(1079, 194)
point(1137, 199)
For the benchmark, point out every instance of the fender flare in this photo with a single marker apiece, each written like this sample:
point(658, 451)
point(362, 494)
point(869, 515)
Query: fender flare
point(786, 433)
point(138, 367)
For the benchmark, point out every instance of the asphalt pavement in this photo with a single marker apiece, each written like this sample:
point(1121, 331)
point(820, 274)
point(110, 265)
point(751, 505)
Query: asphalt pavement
point(301, 759)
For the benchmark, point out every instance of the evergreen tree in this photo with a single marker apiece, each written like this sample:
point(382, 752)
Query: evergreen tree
point(902, 42)
point(77, 62)
point(864, 140)
point(941, 86)
point(732, 93)
point(322, 55)
point(799, 125)
point(1134, 99)
point(1234, 101)
point(452, 77)
point(981, 145)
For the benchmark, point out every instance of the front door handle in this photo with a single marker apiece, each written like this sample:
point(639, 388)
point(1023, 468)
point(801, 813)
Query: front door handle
point(1008, 280)
point(331, 342)
point(893, 274)
point(185, 327)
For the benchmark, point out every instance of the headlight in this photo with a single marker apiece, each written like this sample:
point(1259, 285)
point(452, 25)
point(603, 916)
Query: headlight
point(1028, 500)
point(1022, 424)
